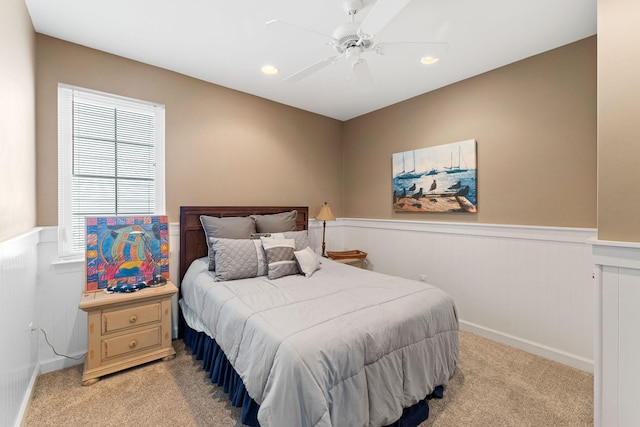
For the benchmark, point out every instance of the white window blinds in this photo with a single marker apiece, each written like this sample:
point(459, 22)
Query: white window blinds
point(110, 160)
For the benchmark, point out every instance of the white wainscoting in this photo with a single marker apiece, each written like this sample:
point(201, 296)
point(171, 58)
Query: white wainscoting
point(18, 317)
point(617, 358)
point(61, 286)
point(528, 287)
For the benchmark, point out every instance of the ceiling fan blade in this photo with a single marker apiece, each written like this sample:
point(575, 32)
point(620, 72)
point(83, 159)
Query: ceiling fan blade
point(362, 75)
point(381, 13)
point(411, 49)
point(278, 25)
point(305, 72)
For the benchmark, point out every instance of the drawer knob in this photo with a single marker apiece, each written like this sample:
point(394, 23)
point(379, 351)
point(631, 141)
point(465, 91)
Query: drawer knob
point(132, 344)
point(133, 319)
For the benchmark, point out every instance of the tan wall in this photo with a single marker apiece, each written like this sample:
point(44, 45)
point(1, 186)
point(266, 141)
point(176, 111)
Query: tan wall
point(223, 147)
point(17, 120)
point(535, 123)
point(535, 126)
point(618, 120)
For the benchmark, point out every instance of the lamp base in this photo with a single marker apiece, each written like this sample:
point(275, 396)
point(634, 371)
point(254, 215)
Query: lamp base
point(324, 229)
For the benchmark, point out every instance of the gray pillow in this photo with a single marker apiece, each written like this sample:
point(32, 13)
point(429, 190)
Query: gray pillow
point(259, 235)
point(276, 223)
point(235, 227)
point(279, 253)
point(238, 259)
point(301, 238)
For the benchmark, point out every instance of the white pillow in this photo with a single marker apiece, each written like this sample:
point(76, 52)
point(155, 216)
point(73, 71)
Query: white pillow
point(308, 262)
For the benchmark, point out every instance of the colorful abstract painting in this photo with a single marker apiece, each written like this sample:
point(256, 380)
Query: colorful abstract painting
point(126, 250)
point(436, 179)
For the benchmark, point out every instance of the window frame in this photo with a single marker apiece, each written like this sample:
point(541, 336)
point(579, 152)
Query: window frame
point(67, 94)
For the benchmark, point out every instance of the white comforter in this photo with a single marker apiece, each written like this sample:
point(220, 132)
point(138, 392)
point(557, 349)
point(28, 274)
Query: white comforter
point(345, 347)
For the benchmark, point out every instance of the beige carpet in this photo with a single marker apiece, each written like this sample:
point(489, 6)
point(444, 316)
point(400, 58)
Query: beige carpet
point(494, 385)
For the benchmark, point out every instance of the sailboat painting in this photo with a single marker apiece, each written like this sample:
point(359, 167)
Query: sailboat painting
point(436, 179)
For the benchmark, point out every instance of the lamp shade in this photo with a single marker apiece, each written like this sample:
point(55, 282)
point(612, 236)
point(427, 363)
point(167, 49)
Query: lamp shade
point(325, 213)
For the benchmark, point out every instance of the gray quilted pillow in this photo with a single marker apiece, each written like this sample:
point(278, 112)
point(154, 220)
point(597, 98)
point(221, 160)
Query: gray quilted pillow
point(279, 254)
point(238, 259)
point(300, 237)
point(225, 228)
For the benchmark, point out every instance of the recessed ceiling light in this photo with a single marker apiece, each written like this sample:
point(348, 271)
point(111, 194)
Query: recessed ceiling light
point(426, 60)
point(269, 70)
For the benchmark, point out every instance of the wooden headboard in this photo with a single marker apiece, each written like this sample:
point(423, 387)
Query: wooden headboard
point(193, 244)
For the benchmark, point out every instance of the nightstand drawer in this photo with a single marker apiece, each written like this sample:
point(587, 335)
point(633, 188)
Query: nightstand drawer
point(134, 316)
point(141, 340)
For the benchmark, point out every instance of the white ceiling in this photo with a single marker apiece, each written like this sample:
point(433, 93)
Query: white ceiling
point(225, 42)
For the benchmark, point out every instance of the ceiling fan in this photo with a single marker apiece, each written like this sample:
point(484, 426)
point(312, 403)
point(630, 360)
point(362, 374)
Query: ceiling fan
point(353, 39)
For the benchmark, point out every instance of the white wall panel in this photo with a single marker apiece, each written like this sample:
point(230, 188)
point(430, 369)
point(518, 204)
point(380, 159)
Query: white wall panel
point(61, 285)
point(629, 346)
point(18, 299)
point(617, 371)
point(530, 287)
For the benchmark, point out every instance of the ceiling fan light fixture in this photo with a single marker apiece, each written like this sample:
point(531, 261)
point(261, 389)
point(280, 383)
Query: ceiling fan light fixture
point(354, 39)
point(269, 70)
point(352, 55)
point(428, 60)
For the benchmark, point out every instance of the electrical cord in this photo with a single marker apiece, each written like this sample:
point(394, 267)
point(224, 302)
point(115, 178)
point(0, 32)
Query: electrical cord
point(54, 350)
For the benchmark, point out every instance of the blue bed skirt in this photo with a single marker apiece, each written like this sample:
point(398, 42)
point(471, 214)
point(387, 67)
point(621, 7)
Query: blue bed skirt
point(222, 373)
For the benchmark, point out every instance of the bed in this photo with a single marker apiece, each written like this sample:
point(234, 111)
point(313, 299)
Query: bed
point(342, 347)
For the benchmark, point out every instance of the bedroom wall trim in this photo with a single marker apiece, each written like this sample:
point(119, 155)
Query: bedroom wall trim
point(525, 286)
point(536, 348)
point(19, 288)
point(617, 348)
point(509, 275)
point(523, 232)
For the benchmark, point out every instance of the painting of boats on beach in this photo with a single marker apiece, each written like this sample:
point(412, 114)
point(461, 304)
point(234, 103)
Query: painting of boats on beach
point(436, 179)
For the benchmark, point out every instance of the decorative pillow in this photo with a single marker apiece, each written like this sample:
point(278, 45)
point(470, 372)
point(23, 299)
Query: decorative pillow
point(236, 227)
point(276, 223)
point(279, 254)
point(259, 235)
point(308, 262)
point(301, 238)
point(238, 259)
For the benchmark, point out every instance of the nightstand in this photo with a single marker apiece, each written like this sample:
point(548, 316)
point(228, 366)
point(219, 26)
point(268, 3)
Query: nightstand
point(126, 329)
point(355, 257)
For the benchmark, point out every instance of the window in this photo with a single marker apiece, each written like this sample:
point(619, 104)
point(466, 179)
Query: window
point(110, 161)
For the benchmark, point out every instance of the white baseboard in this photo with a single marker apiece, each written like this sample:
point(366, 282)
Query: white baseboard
point(538, 349)
point(528, 287)
point(57, 363)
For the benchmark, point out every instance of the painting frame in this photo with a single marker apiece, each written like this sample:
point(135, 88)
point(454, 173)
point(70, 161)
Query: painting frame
point(125, 250)
point(436, 179)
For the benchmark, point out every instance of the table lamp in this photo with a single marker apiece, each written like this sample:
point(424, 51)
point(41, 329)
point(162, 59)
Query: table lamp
point(324, 216)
